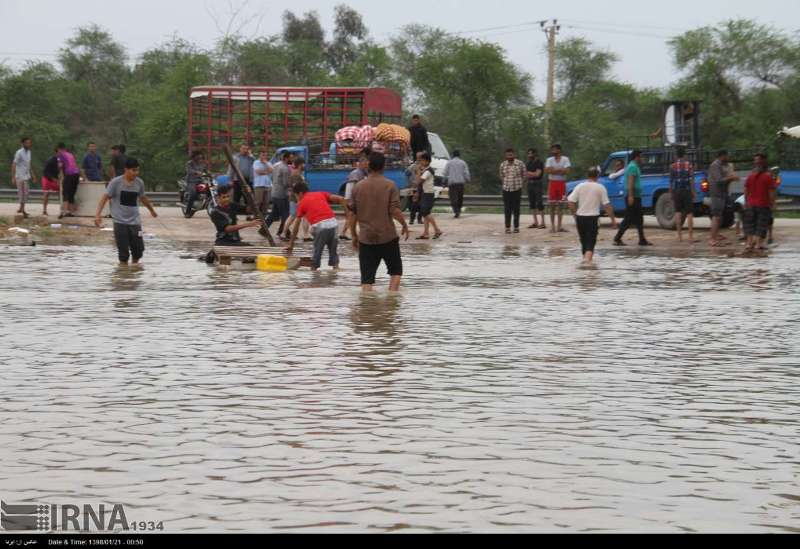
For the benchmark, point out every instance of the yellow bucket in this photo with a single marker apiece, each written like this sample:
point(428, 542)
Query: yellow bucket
point(272, 263)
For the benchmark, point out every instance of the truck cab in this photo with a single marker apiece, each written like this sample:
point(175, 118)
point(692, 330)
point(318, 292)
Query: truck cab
point(330, 176)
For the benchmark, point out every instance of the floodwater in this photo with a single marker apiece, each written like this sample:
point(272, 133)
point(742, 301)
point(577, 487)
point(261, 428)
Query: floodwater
point(504, 390)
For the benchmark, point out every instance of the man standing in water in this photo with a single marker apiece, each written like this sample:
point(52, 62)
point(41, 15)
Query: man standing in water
point(376, 206)
point(633, 213)
point(557, 168)
point(585, 203)
point(124, 193)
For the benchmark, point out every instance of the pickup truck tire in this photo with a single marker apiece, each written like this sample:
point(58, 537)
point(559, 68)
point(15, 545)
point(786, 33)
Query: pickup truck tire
point(665, 212)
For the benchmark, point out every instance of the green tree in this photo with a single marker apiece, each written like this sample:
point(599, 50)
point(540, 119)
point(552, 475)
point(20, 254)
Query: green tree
point(35, 103)
point(579, 66)
point(157, 103)
point(746, 75)
point(349, 34)
point(97, 67)
point(468, 88)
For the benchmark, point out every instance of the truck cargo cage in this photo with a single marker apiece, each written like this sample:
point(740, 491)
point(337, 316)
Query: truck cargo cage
point(658, 161)
point(681, 124)
point(276, 117)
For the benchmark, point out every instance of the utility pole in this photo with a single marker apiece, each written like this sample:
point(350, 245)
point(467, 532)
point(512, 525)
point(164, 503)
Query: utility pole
point(551, 29)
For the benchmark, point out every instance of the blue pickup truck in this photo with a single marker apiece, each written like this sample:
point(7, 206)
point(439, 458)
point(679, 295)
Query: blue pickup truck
point(789, 166)
point(655, 187)
point(327, 173)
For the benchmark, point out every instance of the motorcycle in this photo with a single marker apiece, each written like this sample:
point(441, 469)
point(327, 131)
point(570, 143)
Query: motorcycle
point(206, 195)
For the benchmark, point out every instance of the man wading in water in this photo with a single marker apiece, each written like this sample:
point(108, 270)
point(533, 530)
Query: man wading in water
point(376, 206)
point(585, 203)
point(125, 193)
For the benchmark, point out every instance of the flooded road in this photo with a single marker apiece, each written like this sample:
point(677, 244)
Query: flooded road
point(503, 391)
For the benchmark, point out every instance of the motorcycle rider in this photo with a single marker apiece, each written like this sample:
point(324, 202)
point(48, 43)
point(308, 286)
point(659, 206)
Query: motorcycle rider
point(195, 169)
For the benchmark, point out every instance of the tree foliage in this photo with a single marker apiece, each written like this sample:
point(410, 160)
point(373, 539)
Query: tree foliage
point(579, 66)
point(746, 74)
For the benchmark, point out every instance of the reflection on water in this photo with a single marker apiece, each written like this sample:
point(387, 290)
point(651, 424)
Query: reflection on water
point(503, 390)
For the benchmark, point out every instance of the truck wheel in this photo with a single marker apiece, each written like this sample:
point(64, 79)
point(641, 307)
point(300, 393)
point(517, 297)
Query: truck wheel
point(665, 212)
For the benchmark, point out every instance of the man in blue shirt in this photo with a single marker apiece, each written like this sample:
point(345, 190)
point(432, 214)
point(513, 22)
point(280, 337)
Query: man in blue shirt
point(92, 165)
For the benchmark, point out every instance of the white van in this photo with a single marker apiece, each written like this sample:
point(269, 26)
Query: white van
point(440, 157)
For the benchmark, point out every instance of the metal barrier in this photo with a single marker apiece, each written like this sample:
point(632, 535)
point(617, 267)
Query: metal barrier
point(470, 201)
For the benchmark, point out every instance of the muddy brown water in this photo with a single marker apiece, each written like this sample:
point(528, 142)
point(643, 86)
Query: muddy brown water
point(503, 391)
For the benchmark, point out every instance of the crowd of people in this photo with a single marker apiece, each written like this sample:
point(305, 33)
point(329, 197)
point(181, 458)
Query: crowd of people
point(372, 202)
point(61, 174)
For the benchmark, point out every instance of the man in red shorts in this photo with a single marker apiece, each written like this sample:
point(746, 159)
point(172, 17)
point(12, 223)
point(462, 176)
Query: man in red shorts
point(557, 168)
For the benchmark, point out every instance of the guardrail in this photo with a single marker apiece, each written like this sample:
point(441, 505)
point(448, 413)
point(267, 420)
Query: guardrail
point(470, 201)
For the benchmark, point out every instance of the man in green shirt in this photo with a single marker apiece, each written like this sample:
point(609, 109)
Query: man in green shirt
point(633, 213)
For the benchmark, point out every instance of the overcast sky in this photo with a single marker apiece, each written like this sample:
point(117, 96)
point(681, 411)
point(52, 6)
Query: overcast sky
point(637, 31)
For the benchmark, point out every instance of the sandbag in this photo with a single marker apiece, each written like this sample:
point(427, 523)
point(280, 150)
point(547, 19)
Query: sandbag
point(392, 133)
point(355, 136)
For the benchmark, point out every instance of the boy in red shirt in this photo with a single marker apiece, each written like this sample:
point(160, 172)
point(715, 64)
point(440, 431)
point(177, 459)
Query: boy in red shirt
point(316, 209)
point(759, 194)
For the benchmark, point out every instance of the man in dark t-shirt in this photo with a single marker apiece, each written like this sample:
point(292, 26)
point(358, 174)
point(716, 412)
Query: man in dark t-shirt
point(224, 219)
point(117, 165)
point(535, 174)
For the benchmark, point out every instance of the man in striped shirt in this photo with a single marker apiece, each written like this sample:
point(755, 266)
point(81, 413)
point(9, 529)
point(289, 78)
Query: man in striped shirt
point(512, 175)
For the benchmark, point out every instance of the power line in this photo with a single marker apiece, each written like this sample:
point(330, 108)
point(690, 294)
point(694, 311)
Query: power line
point(623, 25)
point(487, 29)
point(28, 54)
point(620, 32)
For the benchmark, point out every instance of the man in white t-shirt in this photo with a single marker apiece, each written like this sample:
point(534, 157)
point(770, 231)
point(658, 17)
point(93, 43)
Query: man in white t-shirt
point(22, 174)
point(585, 203)
point(557, 168)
